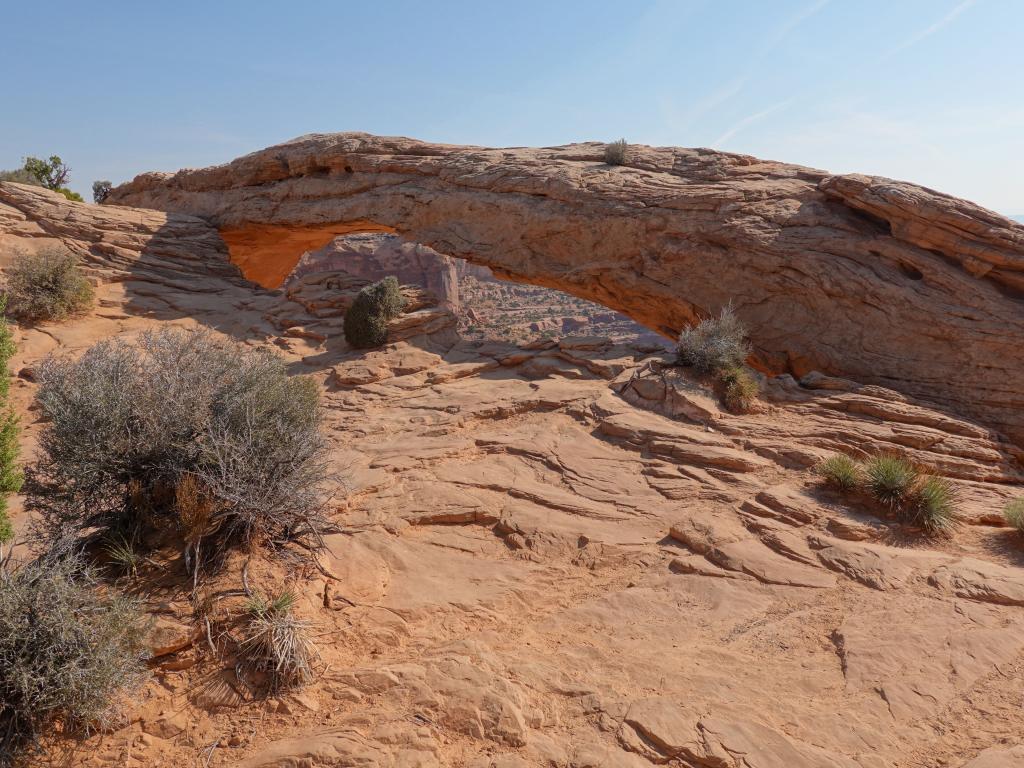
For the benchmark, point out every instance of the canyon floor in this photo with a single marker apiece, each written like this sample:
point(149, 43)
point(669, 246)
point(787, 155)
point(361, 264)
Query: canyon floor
point(567, 554)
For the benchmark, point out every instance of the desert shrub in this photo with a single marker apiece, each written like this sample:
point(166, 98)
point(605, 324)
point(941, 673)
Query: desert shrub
point(100, 190)
point(52, 174)
point(615, 152)
point(73, 196)
point(714, 344)
point(932, 505)
point(891, 480)
point(46, 286)
point(20, 176)
point(366, 322)
point(10, 474)
point(182, 432)
point(277, 643)
point(840, 471)
point(741, 389)
point(68, 649)
point(1013, 513)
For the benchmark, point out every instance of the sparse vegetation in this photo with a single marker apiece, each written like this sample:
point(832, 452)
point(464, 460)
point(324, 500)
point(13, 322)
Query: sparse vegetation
point(47, 285)
point(714, 344)
point(52, 174)
point(10, 474)
point(891, 480)
point(100, 190)
point(20, 176)
point(277, 643)
point(718, 346)
point(933, 504)
point(615, 152)
point(841, 472)
point(68, 649)
point(1013, 512)
point(184, 433)
point(926, 501)
point(366, 322)
point(741, 389)
point(123, 555)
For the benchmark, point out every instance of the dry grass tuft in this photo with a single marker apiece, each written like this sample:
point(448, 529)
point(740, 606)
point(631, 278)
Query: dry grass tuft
point(277, 643)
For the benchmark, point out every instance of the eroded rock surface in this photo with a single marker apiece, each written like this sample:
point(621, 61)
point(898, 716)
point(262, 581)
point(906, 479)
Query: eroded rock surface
point(566, 553)
point(879, 280)
point(373, 256)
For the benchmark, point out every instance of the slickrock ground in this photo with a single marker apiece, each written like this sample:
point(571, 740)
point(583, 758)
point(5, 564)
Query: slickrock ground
point(566, 555)
point(878, 280)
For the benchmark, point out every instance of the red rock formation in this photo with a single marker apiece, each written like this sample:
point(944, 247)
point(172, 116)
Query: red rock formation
point(880, 280)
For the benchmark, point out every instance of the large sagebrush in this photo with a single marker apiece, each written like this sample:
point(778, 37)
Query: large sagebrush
point(715, 344)
point(182, 431)
point(68, 649)
point(47, 285)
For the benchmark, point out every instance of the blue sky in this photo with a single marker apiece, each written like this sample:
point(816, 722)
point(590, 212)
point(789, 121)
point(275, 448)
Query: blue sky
point(926, 90)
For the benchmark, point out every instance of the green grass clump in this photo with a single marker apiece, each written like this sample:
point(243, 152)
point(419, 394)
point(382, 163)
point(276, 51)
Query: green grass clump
point(891, 480)
point(840, 471)
point(366, 322)
point(124, 557)
point(1013, 512)
point(925, 501)
point(933, 505)
point(741, 389)
point(10, 474)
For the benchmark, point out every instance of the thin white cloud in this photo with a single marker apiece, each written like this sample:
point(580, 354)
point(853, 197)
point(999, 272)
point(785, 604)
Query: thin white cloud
point(773, 40)
point(749, 120)
point(931, 29)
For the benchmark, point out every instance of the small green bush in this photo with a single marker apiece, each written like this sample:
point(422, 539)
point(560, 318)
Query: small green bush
point(68, 650)
point(366, 322)
point(741, 389)
point(615, 152)
point(100, 190)
point(714, 344)
point(841, 472)
point(932, 505)
point(1013, 512)
point(277, 643)
point(72, 196)
point(891, 480)
point(47, 285)
point(10, 475)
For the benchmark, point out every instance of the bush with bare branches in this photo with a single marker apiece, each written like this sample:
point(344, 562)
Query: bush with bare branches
point(68, 649)
point(47, 285)
point(182, 431)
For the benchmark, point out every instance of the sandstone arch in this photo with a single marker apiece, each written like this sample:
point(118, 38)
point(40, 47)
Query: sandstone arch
point(882, 281)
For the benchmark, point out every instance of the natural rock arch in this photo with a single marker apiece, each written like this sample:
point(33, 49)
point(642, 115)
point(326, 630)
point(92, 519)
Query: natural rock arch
point(882, 281)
